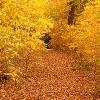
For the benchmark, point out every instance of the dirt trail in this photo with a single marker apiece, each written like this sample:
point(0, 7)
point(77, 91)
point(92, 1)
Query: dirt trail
point(56, 80)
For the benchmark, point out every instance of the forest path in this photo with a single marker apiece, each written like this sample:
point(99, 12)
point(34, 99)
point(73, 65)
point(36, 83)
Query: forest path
point(57, 79)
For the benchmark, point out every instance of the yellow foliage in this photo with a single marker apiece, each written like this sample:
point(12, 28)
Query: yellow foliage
point(22, 22)
point(84, 36)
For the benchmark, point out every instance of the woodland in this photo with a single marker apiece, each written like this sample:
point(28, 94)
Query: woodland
point(49, 49)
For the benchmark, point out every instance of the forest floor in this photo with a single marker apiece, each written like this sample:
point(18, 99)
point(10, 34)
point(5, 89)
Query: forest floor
point(58, 79)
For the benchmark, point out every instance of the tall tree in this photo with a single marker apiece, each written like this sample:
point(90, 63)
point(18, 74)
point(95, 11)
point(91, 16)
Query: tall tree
point(81, 35)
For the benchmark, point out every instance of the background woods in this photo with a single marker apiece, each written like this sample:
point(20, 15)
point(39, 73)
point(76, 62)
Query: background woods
point(69, 28)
